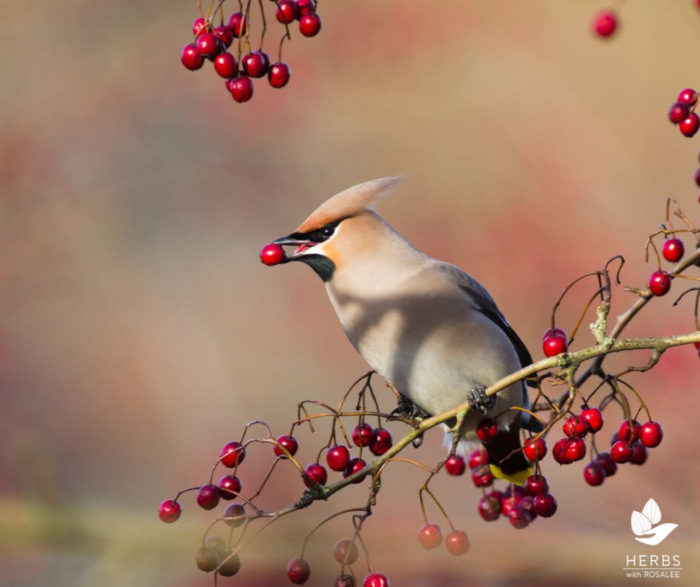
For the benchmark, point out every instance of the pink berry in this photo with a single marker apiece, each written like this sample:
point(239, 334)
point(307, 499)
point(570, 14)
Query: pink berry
point(576, 449)
point(298, 571)
point(317, 473)
point(338, 457)
point(169, 511)
point(288, 442)
point(238, 24)
point(234, 515)
point(241, 88)
point(191, 58)
point(489, 508)
point(306, 7)
point(430, 536)
point(639, 453)
point(688, 97)
point(224, 34)
point(678, 113)
point(659, 283)
point(554, 342)
point(457, 542)
point(535, 449)
point(487, 430)
point(310, 25)
point(651, 434)
point(229, 486)
point(455, 465)
point(605, 23)
point(198, 25)
point(208, 45)
point(279, 74)
point(593, 418)
point(477, 458)
point(345, 551)
point(287, 11)
point(232, 454)
point(273, 254)
point(363, 435)
point(629, 430)
point(208, 497)
point(594, 474)
point(673, 250)
point(536, 485)
point(690, 125)
point(255, 63)
point(605, 460)
point(381, 443)
point(355, 466)
point(621, 452)
point(545, 505)
point(376, 580)
point(225, 65)
point(482, 476)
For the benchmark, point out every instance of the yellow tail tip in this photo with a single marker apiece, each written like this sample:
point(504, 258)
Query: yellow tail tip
point(518, 478)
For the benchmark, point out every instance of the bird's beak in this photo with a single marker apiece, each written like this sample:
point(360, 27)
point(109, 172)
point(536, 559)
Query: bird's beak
point(295, 240)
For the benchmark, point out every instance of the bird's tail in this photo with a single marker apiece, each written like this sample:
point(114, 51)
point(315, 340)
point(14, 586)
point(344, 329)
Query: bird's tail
point(506, 457)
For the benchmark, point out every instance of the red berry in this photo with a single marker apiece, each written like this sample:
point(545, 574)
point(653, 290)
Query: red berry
point(208, 497)
point(477, 458)
point(345, 551)
point(519, 517)
point(354, 466)
point(288, 442)
point(508, 503)
point(310, 25)
point(575, 427)
point(169, 511)
point(241, 88)
point(255, 63)
point(528, 505)
point(621, 452)
point(317, 473)
point(545, 505)
point(487, 430)
point(376, 580)
point(457, 542)
point(605, 460)
point(576, 449)
point(191, 58)
point(673, 250)
point(629, 430)
point(536, 485)
point(207, 559)
point(489, 508)
point(230, 565)
point(363, 435)
point(535, 449)
point(594, 474)
point(229, 486)
point(298, 571)
point(224, 34)
point(234, 515)
point(306, 7)
point(690, 125)
point(659, 283)
point(232, 454)
point(688, 97)
point(482, 476)
point(382, 442)
point(430, 536)
point(344, 581)
point(639, 453)
point(225, 65)
point(697, 347)
point(593, 418)
point(198, 25)
point(678, 113)
point(554, 342)
point(273, 254)
point(559, 451)
point(208, 45)
point(287, 11)
point(238, 24)
point(605, 23)
point(697, 178)
point(338, 457)
point(651, 434)
point(279, 74)
point(455, 465)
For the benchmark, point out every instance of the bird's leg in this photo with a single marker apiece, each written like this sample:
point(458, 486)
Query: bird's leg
point(405, 408)
point(479, 401)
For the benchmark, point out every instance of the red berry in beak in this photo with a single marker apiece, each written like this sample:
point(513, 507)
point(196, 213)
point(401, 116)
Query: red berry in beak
point(272, 254)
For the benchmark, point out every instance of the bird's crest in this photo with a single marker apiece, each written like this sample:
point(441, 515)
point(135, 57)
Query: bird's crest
point(349, 202)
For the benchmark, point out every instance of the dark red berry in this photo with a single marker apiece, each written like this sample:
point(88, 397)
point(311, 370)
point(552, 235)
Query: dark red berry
point(559, 451)
point(576, 449)
point(376, 580)
point(229, 486)
point(430, 536)
point(230, 566)
point(535, 449)
point(338, 457)
point(629, 430)
point(487, 430)
point(690, 125)
point(287, 11)
point(241, 88)
point(345, 551)
point(234, 515)
point(575, 426)
point(519, 518)
point(697, 179)
point(344, 581)
point(279, 74)
point(355, 466)
point(298, 571)
point(605, 23)
point(639, 453)
point(554, 342)
point(536, 485)
point(224, 34)
point(593, 418)
point(306, 7)
point(207, 559)
point(288, 442)
point(191, 58)
point(594, 474)
point(605, 460)
point(482, 476)
point(225, 65)
point(659, 283)
point(310, 25)
point(238, 24)
point(545, 505)
point(208, 497)
point(673, 249)
point(273, 254)
point(621, 452)
point(198, 25)
point(651, 434)
point(455, 465)
point(508, 503)
point(232, 454)
point(688, 97)
point(457, 542)
point(382, 442)
point(678, 113)
point(489, 508)
point(317, 473)
point(208, 45)
point(363, 435)
point(255, 63)
point(477, 458)
point(169, 511)
point(527, 504)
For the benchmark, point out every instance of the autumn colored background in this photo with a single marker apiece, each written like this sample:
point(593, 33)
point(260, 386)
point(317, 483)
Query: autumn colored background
point(140, 332)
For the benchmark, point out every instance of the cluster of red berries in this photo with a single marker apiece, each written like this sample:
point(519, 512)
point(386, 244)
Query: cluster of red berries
point(660, 280)
point(212, 43)
point(482, 476)
point(682, 112)
point(605, 23)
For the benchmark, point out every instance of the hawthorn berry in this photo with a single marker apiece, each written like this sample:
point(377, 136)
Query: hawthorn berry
point(225, 65)
point(208, 497)
point(344, 581)
point(345, 551)
point(688, 97)
point(576, 449)
point(559, 451)
point(621, 452)
point(206, 559)
point(594, 474)
point(430, 536)
point(477, 458)
point(639, 453)
point(232, 454)
point(298, 571)
point(376, 580)
point(629, 430)
point(353, 467)
point(651, 434)
point(678, 113)
point(575, 426)
point(381, 443)
point(279, 74)
point(306, 7)
point(230, 566)
point(690, 125)
point(225, 35)
point(241, 89)
point(605, 23)
point(238, 24)
point(519, 518)
point(593, 418)
point(169, 511)
point(338, 457)
point(535, 449)
point(317, 473)
point(508, 503)
point(457, 542)
point(191, 58)
point(363, 435)
point(234, 515)
point(289, 443)
point(528, 505)
point(489, 508)
point(554, 342)
point(455, 465)
point(198, 25)
point(673, 250)
point(482, 476)
point(605, 460)
point(218, 544)
point(536, 485)
point(487, 430)
point(287, 11)
point(272, 254)
point(208, 45)
point(545, 505)
point(659, 283)
point(697, 178)
point(310, 24)
point(255, 63)
point(229, 487)
point(697, 347)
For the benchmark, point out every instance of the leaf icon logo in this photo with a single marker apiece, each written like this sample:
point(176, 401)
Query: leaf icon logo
point(641, 524)
point(651, 510)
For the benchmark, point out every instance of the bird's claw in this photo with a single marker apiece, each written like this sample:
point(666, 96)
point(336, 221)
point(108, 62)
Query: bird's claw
point(406, 409)
point(479, 401)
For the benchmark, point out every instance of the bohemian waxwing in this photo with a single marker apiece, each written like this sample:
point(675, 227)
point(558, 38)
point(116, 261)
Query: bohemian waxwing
point(427, 327)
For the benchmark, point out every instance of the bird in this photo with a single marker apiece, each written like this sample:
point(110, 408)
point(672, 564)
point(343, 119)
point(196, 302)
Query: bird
point(431, 330)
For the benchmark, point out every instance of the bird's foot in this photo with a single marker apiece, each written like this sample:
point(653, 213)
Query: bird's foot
point(406, 409)
point(479, 401)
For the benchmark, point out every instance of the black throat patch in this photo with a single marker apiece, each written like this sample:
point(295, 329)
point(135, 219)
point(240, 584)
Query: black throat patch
point(323, 266)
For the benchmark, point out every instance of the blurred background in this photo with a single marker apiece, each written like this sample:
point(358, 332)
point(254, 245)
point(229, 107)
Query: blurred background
point(140, 332)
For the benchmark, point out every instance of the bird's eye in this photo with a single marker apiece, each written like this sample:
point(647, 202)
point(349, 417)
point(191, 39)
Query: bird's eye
point(327, 231)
